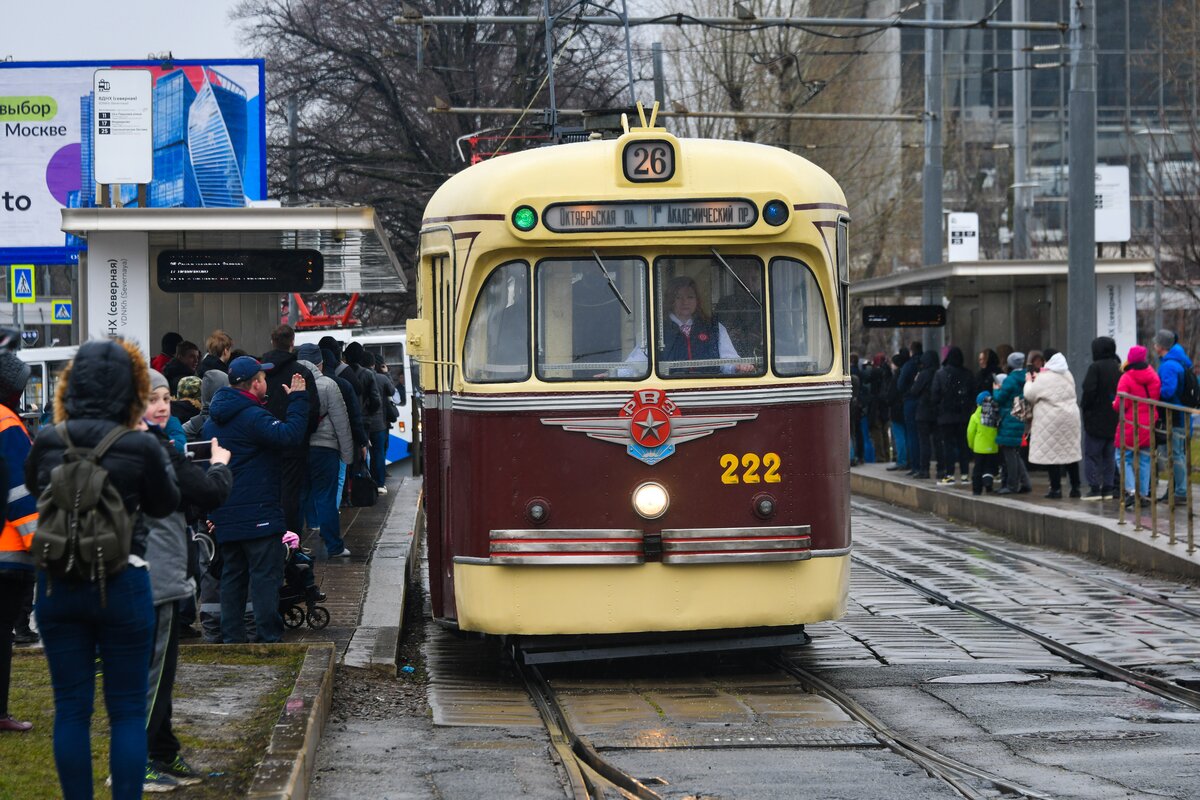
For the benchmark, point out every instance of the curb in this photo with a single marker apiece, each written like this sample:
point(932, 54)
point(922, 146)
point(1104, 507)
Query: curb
point(286, 770)
point(375, 644)
point(1085, 534)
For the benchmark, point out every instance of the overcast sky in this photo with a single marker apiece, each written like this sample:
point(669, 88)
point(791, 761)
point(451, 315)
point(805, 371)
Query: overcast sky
point(86, 30)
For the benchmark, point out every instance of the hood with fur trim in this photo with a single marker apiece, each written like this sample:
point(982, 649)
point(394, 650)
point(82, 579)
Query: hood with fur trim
point(108, 379)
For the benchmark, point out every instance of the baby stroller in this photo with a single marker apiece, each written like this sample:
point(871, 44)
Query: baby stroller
point(300, 597)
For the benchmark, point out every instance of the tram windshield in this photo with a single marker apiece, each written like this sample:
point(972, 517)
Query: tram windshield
point(591, 314)
point(600, 317)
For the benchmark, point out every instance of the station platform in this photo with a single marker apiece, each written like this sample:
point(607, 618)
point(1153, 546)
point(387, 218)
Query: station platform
point(1088, 527)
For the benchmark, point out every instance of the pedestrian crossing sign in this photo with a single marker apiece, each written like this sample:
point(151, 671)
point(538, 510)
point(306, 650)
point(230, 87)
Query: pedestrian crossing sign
point(20, 284)
point(60, 312)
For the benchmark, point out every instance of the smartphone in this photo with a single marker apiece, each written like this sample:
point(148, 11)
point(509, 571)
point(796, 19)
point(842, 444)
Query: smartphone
point(199, 451)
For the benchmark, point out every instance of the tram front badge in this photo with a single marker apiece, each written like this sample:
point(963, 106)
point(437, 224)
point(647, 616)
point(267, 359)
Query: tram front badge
point(649, 425)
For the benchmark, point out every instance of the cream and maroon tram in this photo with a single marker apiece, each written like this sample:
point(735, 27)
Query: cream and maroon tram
point(635, 390)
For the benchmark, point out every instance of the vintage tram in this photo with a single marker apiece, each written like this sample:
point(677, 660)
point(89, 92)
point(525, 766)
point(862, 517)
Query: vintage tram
point(635, 390)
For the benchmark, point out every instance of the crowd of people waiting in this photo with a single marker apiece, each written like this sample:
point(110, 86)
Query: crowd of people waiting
point(933, 417)
point(283, 432)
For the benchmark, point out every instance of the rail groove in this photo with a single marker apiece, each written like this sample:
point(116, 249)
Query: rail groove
point(947, 769)
point(590, 775)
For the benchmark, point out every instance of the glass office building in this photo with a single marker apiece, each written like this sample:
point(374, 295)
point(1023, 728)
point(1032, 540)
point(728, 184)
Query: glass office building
point(1138, 95)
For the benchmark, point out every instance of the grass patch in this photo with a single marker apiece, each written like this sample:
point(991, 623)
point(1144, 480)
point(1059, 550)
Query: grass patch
point(28, 759)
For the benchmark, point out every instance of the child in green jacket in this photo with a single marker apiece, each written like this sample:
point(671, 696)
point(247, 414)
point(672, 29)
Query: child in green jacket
point(982, 441)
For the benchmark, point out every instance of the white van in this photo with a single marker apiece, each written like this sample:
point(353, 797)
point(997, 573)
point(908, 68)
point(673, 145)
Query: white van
point(391, 344)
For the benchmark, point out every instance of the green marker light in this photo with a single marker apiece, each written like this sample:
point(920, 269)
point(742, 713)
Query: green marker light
point(525, 218)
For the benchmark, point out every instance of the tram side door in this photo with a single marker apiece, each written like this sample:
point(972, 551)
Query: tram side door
point(444, 288)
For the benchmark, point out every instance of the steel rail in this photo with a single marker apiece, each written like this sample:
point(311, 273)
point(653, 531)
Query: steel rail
point(677, 19)
point(940, 766)
point(588, 772)
point(1140, 680)
point(1124, 588)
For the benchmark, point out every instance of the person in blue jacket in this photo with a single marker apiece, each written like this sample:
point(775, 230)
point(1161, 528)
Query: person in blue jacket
point(249, 525)
point(1172, 364)
point(904, 382)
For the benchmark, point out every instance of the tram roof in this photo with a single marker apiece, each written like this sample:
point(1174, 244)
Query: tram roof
point(1008, 272)
point(358, 256)
point(590, 170)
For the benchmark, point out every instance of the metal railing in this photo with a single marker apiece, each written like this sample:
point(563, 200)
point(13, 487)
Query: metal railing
point(1169, 411)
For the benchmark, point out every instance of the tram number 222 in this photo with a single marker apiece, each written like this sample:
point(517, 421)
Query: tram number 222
point(750, 463)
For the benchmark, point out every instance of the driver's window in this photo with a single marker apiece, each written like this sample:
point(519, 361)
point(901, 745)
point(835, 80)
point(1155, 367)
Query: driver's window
point(710, 318)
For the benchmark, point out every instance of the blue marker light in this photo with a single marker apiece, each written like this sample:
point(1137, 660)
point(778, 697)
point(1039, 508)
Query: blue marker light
point(775, 212)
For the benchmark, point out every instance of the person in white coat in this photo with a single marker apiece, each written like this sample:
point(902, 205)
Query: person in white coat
point(1054, 438)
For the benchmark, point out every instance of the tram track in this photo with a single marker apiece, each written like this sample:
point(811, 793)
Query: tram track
point(950, 771)
point(1140, 680)
point(1108, 583)
point(590, 775)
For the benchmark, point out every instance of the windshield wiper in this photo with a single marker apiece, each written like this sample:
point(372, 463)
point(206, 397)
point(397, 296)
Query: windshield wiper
point(729, 269)
point(612, 284)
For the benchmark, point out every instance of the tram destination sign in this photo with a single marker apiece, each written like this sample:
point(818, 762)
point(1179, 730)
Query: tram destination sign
point(904, 316)
point(241, 270)
point(642, 215)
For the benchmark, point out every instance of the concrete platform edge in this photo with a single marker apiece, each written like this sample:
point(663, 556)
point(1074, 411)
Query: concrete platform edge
point(376, 642)
point(286, 771)
point(1084, 534)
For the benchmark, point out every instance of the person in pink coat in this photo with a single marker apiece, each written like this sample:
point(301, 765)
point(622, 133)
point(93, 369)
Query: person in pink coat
point(1140, 380)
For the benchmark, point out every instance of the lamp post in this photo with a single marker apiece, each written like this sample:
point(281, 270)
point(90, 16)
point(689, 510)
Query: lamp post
point(1153, 164)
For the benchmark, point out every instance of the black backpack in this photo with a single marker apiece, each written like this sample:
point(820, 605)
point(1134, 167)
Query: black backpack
point(84, 530)
point(1189, 391)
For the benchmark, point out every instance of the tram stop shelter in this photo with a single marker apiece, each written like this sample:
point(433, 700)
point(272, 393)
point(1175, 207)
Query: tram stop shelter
point(1021, 303)
point(121, 291)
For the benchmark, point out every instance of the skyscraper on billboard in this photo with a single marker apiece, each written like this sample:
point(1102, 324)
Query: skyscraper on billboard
point(216, 134)
point(201, 122)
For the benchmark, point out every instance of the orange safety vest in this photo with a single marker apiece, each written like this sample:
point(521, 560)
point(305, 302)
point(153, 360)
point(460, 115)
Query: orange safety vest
point(17, 535)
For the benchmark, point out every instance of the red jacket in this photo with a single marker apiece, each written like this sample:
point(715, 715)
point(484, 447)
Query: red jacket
point(1141, 382)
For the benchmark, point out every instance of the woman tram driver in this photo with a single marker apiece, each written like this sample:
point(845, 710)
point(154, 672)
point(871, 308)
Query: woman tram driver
point(692, 334)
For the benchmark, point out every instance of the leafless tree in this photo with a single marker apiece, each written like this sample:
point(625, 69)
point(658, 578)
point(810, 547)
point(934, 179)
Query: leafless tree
point(361, 85)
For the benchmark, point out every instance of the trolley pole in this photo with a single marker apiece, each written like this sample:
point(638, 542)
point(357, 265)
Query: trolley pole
point(1081, 202)
point(1022, 191)
point(931, 191)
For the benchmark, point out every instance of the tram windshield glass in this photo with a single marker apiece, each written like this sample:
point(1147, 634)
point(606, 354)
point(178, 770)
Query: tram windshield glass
point(497, 346)
point(591, 318)
point(710, 315)
point(800, 328)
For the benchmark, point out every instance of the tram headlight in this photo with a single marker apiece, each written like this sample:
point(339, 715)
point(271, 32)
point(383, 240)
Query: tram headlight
point(775, 212)
point(650, 500)
point(524, 218)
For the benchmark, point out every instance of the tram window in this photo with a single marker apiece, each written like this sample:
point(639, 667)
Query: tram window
point(589, 328)
point(497, 347)
point(802, 343)
point(710, 315)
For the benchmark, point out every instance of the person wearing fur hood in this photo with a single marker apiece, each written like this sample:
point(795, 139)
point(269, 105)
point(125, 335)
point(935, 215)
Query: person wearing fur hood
point(106, 386)
point(1054, 435)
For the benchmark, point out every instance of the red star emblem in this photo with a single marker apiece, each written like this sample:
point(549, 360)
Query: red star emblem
point(650, 426)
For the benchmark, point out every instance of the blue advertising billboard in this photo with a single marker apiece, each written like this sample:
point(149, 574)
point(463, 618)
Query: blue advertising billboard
point(209, 134)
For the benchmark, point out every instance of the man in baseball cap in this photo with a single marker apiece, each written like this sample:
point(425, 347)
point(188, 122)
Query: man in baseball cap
point(249, 525)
